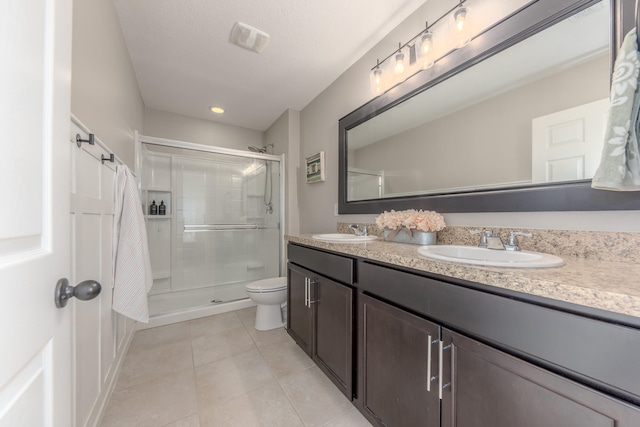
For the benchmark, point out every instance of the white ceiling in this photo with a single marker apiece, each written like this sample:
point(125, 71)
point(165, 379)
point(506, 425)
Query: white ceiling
point(185, 64)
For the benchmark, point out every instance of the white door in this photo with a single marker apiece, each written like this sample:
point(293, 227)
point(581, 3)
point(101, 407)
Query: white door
point(35, 356)
point(567, 145)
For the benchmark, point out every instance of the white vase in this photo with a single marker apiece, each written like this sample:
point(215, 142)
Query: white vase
point(423, 238)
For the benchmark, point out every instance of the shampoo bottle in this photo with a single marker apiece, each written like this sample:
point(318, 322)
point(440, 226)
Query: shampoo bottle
point(153, 208)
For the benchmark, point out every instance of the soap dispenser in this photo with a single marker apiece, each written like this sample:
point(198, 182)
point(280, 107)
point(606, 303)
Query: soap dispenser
point(153, 208)
point(162, 209)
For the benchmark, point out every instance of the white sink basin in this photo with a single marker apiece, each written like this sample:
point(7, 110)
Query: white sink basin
point(490, 257)
point(343, 238)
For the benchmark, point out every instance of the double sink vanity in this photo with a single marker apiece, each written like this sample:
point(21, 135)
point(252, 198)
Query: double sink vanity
point(412, 339)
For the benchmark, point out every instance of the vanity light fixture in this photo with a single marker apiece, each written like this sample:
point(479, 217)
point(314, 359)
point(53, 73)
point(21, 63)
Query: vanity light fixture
point(425, 57)
point(217, 110)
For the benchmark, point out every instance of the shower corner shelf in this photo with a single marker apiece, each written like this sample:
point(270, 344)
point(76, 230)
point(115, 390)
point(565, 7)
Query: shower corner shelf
point(158, 216)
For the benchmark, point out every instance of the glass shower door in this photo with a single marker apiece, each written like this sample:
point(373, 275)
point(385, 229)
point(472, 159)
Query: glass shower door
point(227, 224)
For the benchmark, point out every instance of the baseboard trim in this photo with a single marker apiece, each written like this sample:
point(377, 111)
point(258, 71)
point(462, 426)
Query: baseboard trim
point(95, 418)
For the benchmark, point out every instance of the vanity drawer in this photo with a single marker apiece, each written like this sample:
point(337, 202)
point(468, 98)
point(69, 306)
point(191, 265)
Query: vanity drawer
point(601, 354)
point(333, 266)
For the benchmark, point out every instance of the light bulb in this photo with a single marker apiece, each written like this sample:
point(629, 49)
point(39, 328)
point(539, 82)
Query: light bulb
point(425, 45)
point(399, 68)
point(460, 16)
point(461, 13)
point(426, 48)
point(376, 81)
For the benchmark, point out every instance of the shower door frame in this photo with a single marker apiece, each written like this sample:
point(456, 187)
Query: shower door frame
point(163, 142)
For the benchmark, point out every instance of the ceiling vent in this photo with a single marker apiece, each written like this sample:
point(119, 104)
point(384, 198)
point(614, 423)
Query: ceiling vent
point(248, 37)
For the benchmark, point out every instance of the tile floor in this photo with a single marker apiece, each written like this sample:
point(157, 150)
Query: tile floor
point(220, 371)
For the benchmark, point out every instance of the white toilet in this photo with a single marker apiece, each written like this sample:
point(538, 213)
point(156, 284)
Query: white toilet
point(269, 295)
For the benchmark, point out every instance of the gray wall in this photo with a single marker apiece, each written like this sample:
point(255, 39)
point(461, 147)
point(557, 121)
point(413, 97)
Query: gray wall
point(163, 124)
point(104, 90)
point(284, 134)
point(319, 131)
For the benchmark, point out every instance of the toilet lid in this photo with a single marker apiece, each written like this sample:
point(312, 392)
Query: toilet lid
point(267, 285)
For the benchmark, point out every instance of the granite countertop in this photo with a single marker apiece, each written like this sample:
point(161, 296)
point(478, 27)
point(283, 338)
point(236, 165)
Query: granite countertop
point(612, 285)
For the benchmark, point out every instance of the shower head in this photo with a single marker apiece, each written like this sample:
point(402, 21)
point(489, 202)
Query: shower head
point(263, 150)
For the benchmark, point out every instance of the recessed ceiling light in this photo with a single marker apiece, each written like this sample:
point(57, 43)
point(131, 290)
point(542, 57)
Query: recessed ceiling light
point(217, 110)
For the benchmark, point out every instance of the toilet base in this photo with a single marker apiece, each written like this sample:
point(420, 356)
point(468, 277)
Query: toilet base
point(268, 317)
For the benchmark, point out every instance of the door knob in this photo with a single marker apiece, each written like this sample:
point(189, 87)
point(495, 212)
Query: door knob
point(85, 290)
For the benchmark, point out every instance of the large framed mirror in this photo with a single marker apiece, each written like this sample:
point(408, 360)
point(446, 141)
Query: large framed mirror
point(471, 134)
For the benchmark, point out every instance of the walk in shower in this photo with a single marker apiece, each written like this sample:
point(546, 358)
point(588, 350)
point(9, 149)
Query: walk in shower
point(222, 225)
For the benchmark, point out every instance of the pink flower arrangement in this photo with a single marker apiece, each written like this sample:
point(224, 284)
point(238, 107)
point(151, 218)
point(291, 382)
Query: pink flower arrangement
point(411, 219)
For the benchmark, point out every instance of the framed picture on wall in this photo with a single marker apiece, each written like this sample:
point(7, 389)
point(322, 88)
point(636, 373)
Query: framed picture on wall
point(315, 168)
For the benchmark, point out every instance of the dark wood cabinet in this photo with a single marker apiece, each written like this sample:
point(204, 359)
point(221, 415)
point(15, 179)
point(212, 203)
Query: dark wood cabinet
point(398, 366)
point(407, 363)
point(320, 317)
point(333, 349)
point(299, 312)
point(436, 353)
point(486, 387)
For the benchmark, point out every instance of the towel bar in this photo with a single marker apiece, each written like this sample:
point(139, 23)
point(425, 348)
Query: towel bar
point(218, 227)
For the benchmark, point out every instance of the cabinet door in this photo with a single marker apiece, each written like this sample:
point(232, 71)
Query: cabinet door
point(299, 313)
point(333, 350)
point(486, 387)
point(398, 365)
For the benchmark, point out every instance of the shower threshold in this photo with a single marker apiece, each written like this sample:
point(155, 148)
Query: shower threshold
point(219, 301)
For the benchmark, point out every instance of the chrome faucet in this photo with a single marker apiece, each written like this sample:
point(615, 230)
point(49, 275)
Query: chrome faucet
point(364, 231)
point(489, 239)
point(512, 241)
point(494, 241)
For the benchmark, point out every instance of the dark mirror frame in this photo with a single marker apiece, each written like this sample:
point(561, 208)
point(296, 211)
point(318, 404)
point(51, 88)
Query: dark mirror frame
point(572, 196)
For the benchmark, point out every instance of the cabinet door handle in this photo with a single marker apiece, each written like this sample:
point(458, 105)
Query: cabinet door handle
point(429, 364)
point(440, 367)
point(431, 378)
point(306, 292)
point(312, 282)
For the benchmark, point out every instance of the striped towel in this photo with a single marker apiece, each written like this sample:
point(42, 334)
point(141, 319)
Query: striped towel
point(132, 266)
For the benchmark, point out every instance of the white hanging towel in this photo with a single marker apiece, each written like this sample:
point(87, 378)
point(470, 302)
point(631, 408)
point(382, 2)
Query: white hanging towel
point(619, 168)
point(132, 265)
